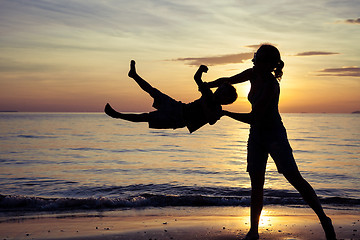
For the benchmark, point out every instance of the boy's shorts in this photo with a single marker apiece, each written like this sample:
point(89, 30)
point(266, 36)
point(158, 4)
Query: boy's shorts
point(262, 142)
point(169, 113)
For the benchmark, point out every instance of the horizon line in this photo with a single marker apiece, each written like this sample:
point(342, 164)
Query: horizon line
point(16, 111)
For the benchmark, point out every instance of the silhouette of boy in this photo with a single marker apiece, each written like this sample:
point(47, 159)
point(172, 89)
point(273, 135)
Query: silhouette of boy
point(175, 114)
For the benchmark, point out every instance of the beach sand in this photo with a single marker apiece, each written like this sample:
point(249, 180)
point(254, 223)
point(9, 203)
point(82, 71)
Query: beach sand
point(187, 223)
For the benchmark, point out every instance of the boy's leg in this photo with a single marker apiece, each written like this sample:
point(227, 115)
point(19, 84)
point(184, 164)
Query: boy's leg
point(141, 82)
point(142, 117)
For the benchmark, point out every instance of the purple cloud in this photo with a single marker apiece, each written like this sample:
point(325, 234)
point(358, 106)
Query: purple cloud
point(340, 72)
point(315, 53)
point(353, 21)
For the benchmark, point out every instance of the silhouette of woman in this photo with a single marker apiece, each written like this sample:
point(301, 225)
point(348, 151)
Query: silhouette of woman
point(268, 136)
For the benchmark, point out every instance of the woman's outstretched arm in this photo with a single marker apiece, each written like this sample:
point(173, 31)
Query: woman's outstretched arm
point(242, 117)
point(238, 78)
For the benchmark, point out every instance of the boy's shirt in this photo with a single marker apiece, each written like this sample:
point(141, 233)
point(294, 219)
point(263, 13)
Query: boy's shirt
point(202, 111)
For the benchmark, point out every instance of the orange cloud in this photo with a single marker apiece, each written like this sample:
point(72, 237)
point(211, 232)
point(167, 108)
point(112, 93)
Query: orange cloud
point(218, 60)
point(257, 46)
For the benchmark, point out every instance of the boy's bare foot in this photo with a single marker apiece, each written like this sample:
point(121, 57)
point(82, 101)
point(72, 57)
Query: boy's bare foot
point(132, 71)
point(111, 112)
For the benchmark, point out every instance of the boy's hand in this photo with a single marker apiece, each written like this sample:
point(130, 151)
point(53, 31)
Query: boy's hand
point(203, 68)
point(198, 74)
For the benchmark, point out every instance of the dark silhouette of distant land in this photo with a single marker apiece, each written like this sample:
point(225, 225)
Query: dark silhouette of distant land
point(8, 111)
point(356, 112)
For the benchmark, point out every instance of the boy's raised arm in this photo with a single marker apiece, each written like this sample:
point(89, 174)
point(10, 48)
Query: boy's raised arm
point(198, 75)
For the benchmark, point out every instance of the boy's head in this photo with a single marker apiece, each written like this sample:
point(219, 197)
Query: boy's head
point(225, 94)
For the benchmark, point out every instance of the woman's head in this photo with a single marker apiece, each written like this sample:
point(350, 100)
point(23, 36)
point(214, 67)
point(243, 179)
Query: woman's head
point(268, 58)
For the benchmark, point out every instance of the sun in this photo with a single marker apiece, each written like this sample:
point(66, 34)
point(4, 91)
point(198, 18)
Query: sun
point(243, 88)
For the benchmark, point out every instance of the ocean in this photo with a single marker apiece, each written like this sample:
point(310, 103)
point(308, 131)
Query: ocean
point(89, 161)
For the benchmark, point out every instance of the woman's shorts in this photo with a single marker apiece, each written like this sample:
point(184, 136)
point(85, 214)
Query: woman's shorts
point(263, 142)
point(169, 113)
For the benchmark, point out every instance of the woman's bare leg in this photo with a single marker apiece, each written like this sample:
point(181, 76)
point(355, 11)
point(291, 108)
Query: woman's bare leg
point(310, 197)
point(257, 196)
point(142, 117)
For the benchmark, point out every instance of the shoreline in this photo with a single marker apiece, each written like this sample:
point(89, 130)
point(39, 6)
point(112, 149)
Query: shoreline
point(186, 223)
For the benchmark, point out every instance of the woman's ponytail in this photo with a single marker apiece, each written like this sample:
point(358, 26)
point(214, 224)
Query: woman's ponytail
point(278, 70)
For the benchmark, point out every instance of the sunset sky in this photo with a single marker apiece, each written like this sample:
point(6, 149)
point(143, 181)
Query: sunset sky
point(63, 55)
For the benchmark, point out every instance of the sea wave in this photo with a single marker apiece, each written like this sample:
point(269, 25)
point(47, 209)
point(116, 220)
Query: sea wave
point(29, 203)
point(35, 136)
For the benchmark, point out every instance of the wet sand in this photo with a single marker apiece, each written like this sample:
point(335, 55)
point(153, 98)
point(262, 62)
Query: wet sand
point(207, 223)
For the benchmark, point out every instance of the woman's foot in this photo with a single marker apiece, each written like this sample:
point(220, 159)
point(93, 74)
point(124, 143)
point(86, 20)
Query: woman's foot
point(132, 73)
point(251, 236)
point(328, 228)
